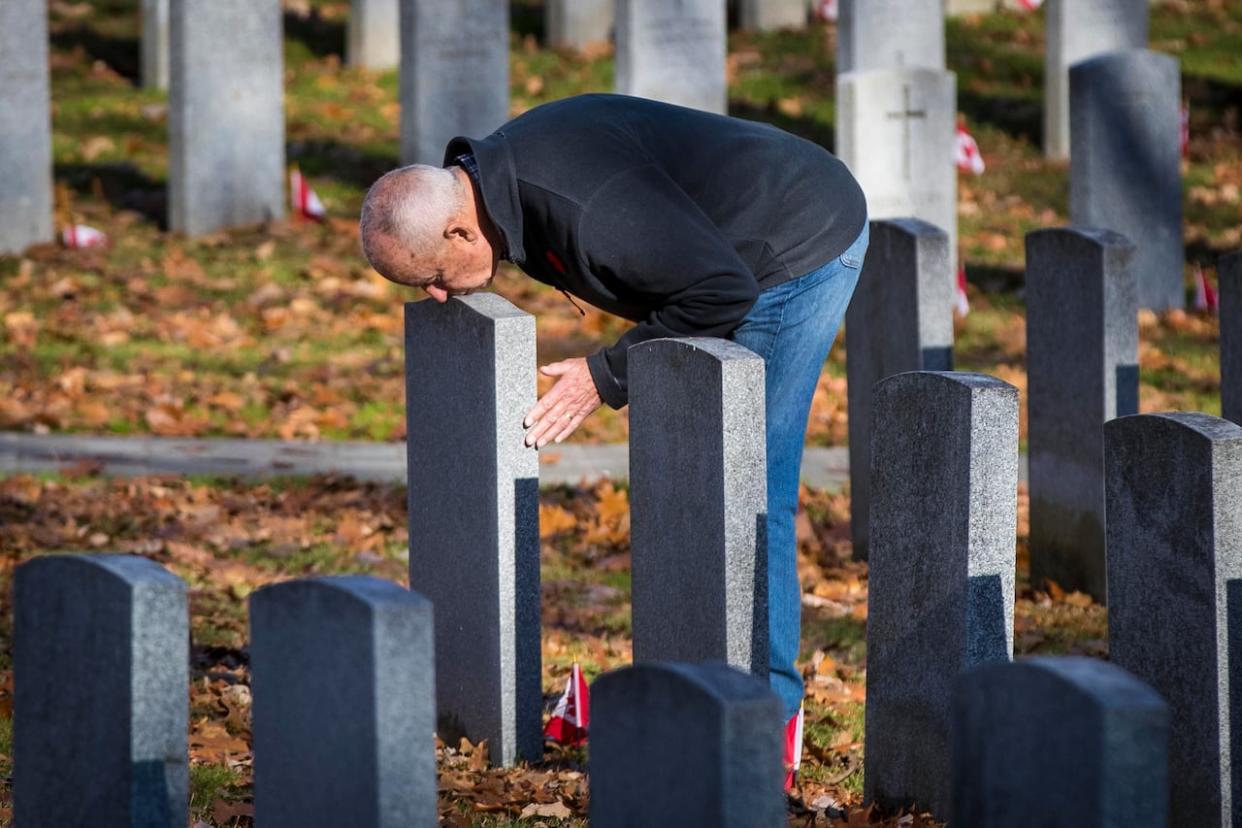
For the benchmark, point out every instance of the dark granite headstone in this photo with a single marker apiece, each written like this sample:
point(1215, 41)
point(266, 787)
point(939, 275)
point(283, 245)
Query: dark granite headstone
point(474, 515)
point(343, 675)
point(698, 498)
point(685, 744)
point(1231, 336)
point(25, 126)
point(1125, 167)
point(940, 597)
point(1174, 494)
point(101, 668)
point(900, 319)
point(1058, 743)
point(1082, 370)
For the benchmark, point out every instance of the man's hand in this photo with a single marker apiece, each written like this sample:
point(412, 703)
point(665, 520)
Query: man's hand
point(564, 407)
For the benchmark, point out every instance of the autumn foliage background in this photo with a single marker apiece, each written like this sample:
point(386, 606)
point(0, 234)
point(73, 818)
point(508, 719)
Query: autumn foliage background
point(283, 331)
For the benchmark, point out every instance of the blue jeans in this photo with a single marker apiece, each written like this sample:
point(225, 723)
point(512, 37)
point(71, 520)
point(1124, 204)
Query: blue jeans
point(792, 326)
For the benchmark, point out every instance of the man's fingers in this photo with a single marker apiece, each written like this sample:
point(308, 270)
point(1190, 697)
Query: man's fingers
point(541, 408)
point(570, 428)
point(547, 423)
point(556, 369)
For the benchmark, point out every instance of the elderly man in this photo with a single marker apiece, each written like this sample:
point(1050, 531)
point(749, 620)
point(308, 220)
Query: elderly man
point(687, 223)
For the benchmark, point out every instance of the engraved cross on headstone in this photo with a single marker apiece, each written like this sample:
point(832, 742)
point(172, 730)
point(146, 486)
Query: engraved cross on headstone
point(905, 116)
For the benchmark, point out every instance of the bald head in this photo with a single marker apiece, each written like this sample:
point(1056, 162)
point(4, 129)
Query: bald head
point(407, 221)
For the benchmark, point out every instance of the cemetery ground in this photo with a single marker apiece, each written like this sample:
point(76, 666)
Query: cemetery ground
point(226, 538)
point(281, 331)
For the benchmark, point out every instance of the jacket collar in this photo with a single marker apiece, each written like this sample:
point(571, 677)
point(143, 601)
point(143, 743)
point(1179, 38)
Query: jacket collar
point(498, 182)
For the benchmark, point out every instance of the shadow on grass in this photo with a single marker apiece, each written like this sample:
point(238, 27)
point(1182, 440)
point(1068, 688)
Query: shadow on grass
point(342, 162)
point(996, 279)
point(121, 54)
point(321, 37)
point(526, 18)
point(1018, 117)
point(121, 184)
point(808, 128)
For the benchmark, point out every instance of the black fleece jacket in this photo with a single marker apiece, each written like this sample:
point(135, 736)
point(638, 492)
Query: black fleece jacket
point(667, 216)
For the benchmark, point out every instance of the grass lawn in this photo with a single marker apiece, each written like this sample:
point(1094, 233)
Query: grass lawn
point(282, 330)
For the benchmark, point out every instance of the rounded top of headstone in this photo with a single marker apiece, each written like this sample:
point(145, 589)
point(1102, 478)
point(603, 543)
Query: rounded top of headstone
point(365, 589)
point(1078, 237)
point(1188, 424)
point(914, 381)
point(486, 306)
point(1097, 682)
point(709, 349)
point(132, 570)
point(717, 682)
point(1125, 61)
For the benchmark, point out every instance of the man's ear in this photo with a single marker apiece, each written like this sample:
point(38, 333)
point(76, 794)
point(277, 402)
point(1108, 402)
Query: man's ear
point(459, 231)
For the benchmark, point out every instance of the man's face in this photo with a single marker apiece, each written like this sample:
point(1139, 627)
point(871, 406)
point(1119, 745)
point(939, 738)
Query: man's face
point(463, 267)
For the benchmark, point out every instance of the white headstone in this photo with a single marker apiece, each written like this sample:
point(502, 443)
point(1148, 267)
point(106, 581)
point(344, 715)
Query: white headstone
point(895, 131)
point(674, 51)
point(575, 24)
point(226, 115)
point(374, 40)
point(25, 126)
point(155, 36)
point(1076, 30)
point(771, 15)
point(454, 73)
point(890, 34)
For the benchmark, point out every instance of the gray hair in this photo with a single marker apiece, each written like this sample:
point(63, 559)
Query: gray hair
point(412, 206)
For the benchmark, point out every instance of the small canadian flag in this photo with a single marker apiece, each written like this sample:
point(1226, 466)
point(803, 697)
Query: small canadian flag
point(1206, 300)
point(1030, 5)
point(78, 236)
point(968, 157)
point(961, 303)
point(304, 200)
point(827, 10)
point(572, 716)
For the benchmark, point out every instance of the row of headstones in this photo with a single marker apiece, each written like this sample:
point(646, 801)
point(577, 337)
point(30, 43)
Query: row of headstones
point(940, 592)
point(942, 525)
point(1116, 103)
point(343, 718)
point(1081, 362)
point(342, 671)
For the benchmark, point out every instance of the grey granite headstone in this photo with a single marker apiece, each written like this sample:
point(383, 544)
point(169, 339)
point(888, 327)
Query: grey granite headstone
point(25, 126)
point(101, 664)
point(895, 131)
point(1125, 172)
point(771, 15)
point(454, 73)
point(474, 515)
point(1082, 370)
point(344, 717)
point(673, 51)
point(944, 514)
point(698, 503)
point(1175, 592)
point(374, 38)
point(575, 24)
point(890, 34)
point(685, 744)
point(1231, 336)
point(1076, 30)
point(900, 319)
point(226, 116)
point(1059, 743)
point(155, 37)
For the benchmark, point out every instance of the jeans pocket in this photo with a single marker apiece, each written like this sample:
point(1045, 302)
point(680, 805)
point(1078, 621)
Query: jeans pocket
point(854, 255)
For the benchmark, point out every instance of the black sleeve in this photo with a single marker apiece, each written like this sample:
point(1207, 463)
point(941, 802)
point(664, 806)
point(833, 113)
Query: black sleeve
point(644, 234)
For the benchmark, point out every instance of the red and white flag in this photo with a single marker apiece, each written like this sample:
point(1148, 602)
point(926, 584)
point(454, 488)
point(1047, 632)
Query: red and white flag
point(961, 303)
point(1183, 119)
point(969, 159)
point(1030, 5)
point(78, 236)
point(1206, 300)
point(826, 10)
point(304, 200)
point(572, 716)
point(793, 749)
